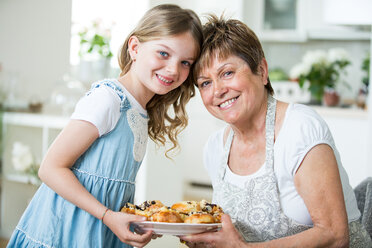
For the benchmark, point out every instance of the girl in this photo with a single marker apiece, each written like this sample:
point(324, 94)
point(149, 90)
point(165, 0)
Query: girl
point(89, 171)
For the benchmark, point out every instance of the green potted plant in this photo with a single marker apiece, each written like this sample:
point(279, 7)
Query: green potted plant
point(365, 69)
point(95, 42)
point(320, 71)
point(363, 91)
point(95, 52)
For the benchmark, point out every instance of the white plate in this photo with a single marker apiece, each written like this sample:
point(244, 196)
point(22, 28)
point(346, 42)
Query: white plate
point(176, 228)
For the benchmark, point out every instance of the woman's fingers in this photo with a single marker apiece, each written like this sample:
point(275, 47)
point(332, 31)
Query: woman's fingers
point(227, 236)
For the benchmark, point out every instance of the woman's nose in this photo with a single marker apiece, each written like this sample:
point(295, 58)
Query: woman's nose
point(219, 89)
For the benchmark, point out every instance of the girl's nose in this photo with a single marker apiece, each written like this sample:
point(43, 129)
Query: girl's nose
point(172, 67)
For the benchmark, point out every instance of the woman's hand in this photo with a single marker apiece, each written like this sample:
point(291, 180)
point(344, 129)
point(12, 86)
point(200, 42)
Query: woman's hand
point(119, 224)
point(228, 236)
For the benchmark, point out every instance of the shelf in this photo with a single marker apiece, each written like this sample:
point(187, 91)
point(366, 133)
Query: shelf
point(344, 113)
point(18, 178)
point(35, 120)
point(338, 34)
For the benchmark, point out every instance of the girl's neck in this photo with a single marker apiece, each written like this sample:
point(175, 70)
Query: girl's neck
point(136, 88)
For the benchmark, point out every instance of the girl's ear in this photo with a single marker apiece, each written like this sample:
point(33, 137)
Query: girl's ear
point(133, 44)
point(264, 70)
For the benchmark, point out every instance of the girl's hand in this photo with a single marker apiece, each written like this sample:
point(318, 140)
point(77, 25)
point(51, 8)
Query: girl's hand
point(119, 224)
point(228, 236)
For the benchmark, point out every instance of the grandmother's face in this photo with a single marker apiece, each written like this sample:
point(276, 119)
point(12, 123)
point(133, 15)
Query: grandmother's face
point(230, 91)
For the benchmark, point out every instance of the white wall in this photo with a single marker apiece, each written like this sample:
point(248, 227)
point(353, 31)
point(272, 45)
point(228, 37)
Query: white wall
point(35, 43)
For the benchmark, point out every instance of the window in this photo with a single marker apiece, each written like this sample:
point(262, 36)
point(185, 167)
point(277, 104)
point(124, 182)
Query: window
point(119, 16)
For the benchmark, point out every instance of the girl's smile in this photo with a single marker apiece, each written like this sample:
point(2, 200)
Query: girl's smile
point(164, 80)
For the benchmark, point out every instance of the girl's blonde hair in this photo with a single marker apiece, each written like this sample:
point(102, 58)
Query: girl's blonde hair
point(163, 21)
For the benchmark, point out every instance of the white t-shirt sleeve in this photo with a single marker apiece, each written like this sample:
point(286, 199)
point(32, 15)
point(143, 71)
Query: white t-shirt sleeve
point(306, 129)
point(213, 154)
point(101, 107)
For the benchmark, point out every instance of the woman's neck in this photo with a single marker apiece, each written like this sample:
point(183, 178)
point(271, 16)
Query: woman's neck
point(253, 126)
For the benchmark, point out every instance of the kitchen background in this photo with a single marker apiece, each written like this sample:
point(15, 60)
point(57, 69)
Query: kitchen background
point(42, 76)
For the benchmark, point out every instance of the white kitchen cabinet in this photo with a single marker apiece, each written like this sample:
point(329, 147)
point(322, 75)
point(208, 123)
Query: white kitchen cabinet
point(295, 21)
point(282, 20)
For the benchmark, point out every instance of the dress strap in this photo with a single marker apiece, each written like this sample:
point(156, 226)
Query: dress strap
point(124, 102)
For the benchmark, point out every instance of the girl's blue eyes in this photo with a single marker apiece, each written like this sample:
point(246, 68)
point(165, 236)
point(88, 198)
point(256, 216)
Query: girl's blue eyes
point(164, 54)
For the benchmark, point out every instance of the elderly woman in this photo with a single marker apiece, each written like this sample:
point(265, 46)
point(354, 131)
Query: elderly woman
point(275, 168)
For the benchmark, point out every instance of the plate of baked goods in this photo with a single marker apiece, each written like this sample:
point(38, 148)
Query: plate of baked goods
point(182, 218)
point(176, 229)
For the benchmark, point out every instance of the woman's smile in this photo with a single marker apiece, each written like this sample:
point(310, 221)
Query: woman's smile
point(228, 103)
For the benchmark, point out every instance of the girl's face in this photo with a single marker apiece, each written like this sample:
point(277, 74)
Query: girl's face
point(162, 65)
point(230, 91)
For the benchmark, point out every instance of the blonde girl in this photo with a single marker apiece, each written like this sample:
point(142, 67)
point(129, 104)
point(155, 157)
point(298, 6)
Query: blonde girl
point(89, 171)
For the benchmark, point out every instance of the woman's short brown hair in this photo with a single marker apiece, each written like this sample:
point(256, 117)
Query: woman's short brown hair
point(223, 38)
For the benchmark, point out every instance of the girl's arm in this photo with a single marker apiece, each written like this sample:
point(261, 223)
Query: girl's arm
point(55, 172)
point(319, 184)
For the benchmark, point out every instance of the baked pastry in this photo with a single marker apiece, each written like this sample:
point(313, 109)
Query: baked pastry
point(166, 215)
point(130, 208)
point(185, 211)
point(151, 206)
point(186, 207)
point(199, 218)
point(213, 209)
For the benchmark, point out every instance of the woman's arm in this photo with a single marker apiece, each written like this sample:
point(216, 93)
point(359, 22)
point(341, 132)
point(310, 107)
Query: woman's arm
point(55, 172)
point(318, 182)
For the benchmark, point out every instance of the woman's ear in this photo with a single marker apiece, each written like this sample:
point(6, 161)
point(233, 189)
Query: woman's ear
point(264, 70)
point(133, 44)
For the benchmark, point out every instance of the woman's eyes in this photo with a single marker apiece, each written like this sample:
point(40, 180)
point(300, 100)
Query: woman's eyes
point(204, 84)
point(228, 73)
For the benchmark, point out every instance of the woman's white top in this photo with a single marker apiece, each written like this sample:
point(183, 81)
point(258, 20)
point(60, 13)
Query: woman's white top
point(102, 107)
point(302, 129)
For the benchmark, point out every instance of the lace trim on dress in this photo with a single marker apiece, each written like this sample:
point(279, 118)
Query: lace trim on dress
point(106, 178)
point(34, 240)
point(138, 124)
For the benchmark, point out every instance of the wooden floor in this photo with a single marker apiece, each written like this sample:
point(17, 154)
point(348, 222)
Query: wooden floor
point(3, 243)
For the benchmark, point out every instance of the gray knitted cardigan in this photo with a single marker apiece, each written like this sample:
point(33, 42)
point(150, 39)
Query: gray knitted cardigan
point(363, 193)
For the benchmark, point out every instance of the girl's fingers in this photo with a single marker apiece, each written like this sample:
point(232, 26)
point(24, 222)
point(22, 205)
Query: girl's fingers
point(155, 236)
point(138, 238)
